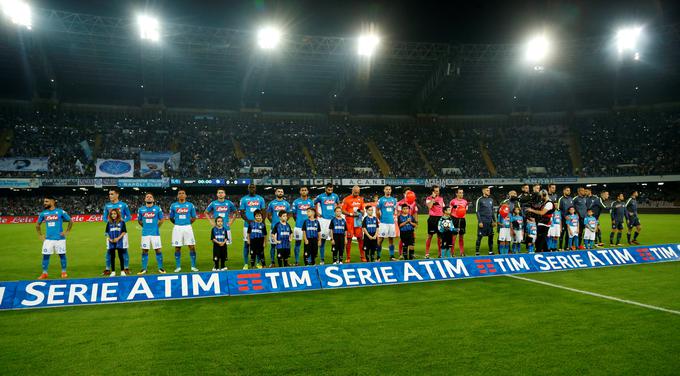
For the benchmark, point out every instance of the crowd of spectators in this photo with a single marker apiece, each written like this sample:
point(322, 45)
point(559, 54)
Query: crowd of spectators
point(623, 143)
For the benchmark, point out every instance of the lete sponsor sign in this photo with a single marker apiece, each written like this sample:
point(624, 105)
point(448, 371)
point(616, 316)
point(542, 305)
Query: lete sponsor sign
point(57, 293)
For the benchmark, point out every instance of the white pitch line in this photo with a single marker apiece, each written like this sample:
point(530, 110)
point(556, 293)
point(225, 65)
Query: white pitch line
point(597, 295)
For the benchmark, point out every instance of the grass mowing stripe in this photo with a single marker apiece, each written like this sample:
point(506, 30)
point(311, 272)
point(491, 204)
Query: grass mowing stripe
point(596, 295)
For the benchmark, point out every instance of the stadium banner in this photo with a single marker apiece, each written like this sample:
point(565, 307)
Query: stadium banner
point(24, 164)
point(144, 183)
point(113, 168)
point(68, 292)
point(370, 274)
point(368, 182)
point(57, 293)
point(19, 183)
point(297, 182)
point(153, 165)
point(75, 182)
point(261, 281)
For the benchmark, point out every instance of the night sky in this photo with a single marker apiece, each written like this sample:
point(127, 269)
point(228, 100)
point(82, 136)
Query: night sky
point(450, 22)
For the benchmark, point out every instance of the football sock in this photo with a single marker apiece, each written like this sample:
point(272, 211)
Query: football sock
point(45, 263)
point(178, 259)
point(145, 260)
point(192, 256)
point(62, 258)
point(297, 251)
point(159, 260)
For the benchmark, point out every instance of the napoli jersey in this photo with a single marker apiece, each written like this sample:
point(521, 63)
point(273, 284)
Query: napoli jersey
point(275, 207)
point(387, 205)
point(572, 220)
point(120, 205)
point(54, 220)
point(300, 207)
point(590, 222)
point(257, 230)
point(150, 216)
point(517, 222)
point(504, 222)
point(406, 228)
point(182, 213)
point(338, 226)
point(371, 225)
point(282, 231)
point(531, 228)
point(222, 209)
point(113, 230)
point(328, 204)
point(556, 219)
point(251, 203)
point(311, 228)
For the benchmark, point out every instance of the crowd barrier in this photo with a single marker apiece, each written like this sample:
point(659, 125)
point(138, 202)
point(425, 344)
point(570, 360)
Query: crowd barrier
point(70, 292)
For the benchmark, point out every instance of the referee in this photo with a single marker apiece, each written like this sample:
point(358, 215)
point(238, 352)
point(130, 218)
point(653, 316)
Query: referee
point(435, 207)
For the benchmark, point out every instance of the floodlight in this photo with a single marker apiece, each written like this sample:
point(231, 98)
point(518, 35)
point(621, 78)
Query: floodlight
point(627, 39)
point(367, 44)
point(149, 28)
point(19, 12)
point(537, 49)
point(268, 38)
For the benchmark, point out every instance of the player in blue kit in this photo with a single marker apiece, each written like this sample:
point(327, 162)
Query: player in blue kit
point(115, 203)
point(386, 212)
point(326, 204)
point(249, 204)
point(54, 240)
point(590, 225)
point(282, 236)
point(573, 224)
point(300, 207)
point(274, 207)
point(150, 217)
point(222, 208)
point(182, 215)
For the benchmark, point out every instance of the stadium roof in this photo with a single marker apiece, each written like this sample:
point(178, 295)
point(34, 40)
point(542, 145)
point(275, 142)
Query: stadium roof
point(98, 59)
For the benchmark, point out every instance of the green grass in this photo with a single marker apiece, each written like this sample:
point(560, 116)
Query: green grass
point(479, 326)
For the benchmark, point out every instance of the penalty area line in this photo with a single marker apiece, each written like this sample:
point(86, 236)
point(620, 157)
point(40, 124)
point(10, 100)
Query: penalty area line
point(613, 298)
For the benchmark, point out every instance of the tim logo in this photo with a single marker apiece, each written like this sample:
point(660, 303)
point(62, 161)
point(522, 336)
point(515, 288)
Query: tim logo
point(645, 254)
point(149, 215)
point(247, 282)
point(182, 210)
point(51, 217)
point(485, 266)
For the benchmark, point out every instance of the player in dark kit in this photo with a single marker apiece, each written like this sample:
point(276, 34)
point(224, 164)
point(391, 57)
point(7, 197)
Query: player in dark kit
point(338, 229)
point(407, 227)
point(256, 233)
point(282, 236)
point(618, 213)
point(370, 229)
point(632, 217)
point(485, 218)
point(311, 228)
point(598, 206)
point(563, 204)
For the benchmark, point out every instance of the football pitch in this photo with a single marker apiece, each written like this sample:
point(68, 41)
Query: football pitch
point(499, 325)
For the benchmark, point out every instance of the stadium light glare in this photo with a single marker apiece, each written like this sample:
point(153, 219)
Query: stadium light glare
point(18, 12)
point(149, 28)
point(627, 40)
point(537, 50)
point(367, 44)
point(268, 37)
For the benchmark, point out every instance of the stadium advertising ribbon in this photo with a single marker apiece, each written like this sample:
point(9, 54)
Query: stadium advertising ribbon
point(57, 293)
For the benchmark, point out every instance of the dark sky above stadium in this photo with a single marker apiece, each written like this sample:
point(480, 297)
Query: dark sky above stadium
point(440, 21)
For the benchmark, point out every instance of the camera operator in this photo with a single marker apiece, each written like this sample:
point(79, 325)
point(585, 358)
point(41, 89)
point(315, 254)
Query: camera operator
point(543, 214)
